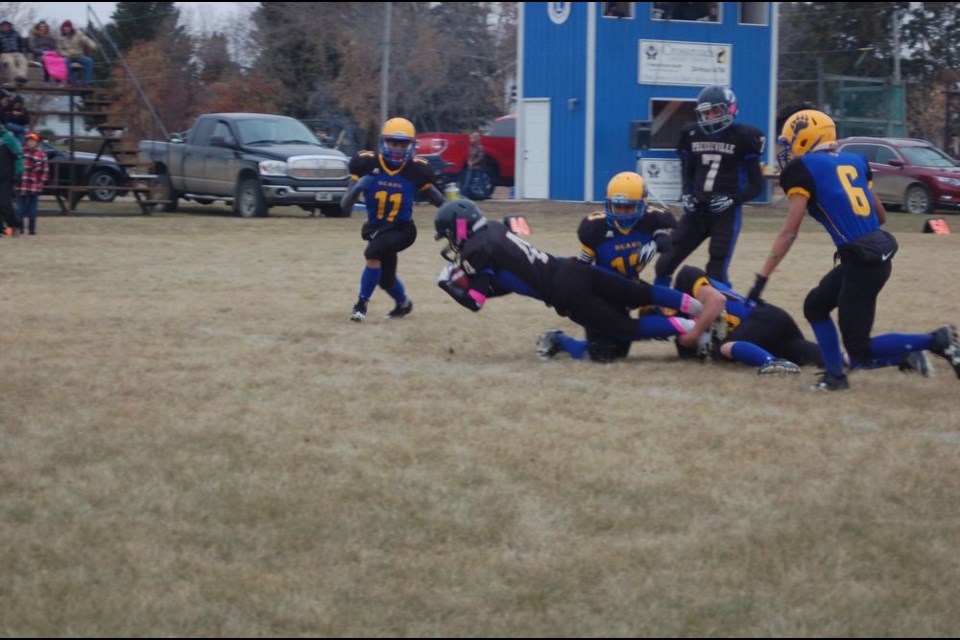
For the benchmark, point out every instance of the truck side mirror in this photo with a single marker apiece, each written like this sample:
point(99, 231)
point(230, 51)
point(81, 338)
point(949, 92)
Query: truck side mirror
point(176, 137)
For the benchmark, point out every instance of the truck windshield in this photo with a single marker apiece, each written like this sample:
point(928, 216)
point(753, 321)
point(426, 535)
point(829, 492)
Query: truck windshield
point(275, 132)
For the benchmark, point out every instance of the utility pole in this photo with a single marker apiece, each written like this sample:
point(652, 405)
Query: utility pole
point(385, 67)
point(897, 85)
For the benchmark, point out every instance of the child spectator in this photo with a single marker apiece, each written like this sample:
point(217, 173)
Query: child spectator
point(15, 116)
point(11, 165)
point(36, 172)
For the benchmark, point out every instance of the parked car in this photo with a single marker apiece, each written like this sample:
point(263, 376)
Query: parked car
point(499, 143)
point(909, 173)
point(103, 174)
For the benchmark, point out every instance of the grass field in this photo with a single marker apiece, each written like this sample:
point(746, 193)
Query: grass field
point(197, 442)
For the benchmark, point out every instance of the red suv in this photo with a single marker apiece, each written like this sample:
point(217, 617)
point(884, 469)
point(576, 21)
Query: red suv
point(499, 143)
point(909, 173)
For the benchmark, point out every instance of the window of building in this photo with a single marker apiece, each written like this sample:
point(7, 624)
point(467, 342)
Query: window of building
point(669, 117)
point(618, 10)
point(754, 13)
point(688, 11)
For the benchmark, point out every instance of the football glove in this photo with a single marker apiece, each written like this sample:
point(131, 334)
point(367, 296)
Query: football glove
point(689, 202)
point(646, 252)
point(757, 290)
point(446, 272)
point(719, 204)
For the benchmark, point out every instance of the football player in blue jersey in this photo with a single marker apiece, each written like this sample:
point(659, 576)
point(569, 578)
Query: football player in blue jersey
point(835, 189)
point(487, 260)
point(759, 335)
point(623, 239)
point(720, 170)
point(388, 181)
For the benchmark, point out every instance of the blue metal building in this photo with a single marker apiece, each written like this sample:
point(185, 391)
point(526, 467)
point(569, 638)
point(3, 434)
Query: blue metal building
point(588, 70)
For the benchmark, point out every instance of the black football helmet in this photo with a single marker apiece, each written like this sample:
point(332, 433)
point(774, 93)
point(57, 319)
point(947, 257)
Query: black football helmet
point(716, 108)
point(456, 221)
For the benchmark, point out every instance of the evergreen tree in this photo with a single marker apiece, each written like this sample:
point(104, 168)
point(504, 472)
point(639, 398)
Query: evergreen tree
point(133, 21)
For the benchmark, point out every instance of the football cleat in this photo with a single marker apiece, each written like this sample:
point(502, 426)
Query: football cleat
point(548, 344)
point(917, 361)
point(946, 344)
point(778, 367)
point(400, 310)
point(830, 382)
point(359, 311)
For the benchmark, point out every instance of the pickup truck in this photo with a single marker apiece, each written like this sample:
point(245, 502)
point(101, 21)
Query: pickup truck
point(250, 160)
point(452, 148)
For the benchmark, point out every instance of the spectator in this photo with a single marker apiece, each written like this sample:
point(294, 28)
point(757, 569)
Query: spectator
point(476, 165)
point(616, 10)
point(702, 11)
point(36, 172)
point(11, 167)
point(13, 59)
point(40, 43)
point(15, 115)
point(74, 45)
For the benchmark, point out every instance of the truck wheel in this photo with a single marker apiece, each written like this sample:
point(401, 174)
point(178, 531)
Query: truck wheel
point(333, 211)
point(103, 183)
point(249, 202)
point(169, 193)
point(479, 186)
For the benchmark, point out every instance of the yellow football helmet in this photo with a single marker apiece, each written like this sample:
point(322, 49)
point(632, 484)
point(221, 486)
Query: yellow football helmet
point(398, 130)
point(803, 132)
point(626, 200)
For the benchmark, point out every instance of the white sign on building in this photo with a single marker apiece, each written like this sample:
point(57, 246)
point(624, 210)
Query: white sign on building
point(662, 178)
point(684, 63)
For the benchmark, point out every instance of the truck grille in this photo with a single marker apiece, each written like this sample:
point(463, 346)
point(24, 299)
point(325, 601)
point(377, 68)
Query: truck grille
point(317, 168)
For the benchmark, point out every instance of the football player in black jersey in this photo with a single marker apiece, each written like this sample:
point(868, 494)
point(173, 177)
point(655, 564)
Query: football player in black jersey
point(759, 335)
point(720, 162)
point(487, 260)
point(388, 181)
point(623, 239)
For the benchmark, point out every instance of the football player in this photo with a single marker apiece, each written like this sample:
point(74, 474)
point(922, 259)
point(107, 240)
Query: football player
point(497, 262)
point(834, 188)
point(623, 239)
point(759, 335)
point(388, 181)
point(720, 170)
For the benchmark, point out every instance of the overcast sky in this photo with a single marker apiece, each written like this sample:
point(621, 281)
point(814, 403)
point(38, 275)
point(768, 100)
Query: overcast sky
point(205, 15)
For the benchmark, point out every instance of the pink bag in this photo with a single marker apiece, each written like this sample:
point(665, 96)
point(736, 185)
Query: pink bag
point(56, 65)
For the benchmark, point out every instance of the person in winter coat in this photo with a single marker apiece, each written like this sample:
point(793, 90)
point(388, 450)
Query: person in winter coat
point(11, 168)
point(74, 45)
point(36, 173)
point(13, 59)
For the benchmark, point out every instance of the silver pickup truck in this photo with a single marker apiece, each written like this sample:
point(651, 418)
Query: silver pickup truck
point(252, 160)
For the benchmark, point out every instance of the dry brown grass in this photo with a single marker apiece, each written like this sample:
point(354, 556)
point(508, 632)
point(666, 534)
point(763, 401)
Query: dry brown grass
point(196, 442)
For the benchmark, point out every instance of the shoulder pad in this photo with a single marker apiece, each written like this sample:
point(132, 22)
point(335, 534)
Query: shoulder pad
point(366, 154)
